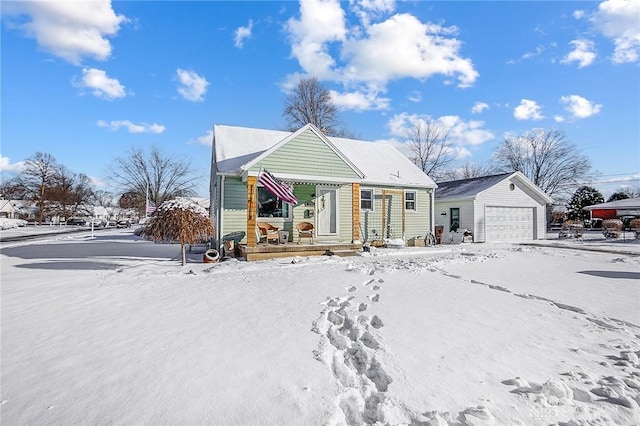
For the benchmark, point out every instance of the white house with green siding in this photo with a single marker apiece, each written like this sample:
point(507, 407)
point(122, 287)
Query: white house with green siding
point(350, 190)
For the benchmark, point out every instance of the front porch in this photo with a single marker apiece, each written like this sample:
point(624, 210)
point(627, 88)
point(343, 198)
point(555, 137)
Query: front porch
point(271, 251)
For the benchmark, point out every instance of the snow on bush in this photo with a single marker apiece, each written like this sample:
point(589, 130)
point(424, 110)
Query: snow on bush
point(6, 223)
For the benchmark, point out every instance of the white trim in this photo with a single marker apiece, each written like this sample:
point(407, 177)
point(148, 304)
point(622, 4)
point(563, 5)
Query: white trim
point(287, 177)
point(336, 191)
point(373, 198)
point(415, 200)
point(289, 216)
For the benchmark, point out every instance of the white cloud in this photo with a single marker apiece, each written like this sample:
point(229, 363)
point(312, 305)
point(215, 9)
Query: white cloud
point(578, 14)
point(618, 20)
point(206, 139)
point(131, 127)
point(192, 86)
point(402, 47)
point(461, 133)
point(580, 107)
point(372, 54)
point(359, 101)
point(529, 55)
point(242, 33)
point(70, 30)
point(558, 118)
point(100, 84)
point(321, 22)
point(7, 166)
point(583, 53)
point(415, 96)
point(527, 110)
point(479, 107)
point(371, 9)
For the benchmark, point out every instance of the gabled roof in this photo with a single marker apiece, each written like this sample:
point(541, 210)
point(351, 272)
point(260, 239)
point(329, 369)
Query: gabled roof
point(629, 203)
point(471, 188)
point(291, 136)
point(236, 148)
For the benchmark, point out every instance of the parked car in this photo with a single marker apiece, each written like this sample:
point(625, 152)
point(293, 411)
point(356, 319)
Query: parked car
point(123, 224)
point(97, 222)
point(76, 221)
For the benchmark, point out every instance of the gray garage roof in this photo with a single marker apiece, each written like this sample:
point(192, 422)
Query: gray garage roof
point(467, 188)
point(629, 203)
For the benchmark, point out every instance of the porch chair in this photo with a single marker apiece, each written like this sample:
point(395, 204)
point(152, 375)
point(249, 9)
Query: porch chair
point(268, 232)
point(305, 230)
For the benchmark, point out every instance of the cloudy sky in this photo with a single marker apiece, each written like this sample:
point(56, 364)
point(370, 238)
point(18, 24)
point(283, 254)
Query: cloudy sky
point(88, 80)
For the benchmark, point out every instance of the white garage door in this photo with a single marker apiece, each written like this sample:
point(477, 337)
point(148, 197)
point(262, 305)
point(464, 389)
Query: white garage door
point(509, 223)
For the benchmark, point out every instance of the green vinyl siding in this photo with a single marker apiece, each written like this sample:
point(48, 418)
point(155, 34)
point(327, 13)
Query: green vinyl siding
point(307, 154)
point(234, 214)
point(345, 217)
point(416, 222)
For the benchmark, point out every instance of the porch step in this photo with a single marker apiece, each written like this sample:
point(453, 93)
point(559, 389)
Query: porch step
point(341, 253)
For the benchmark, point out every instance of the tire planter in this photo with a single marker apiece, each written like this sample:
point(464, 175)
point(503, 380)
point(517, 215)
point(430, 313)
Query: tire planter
point(211, 256)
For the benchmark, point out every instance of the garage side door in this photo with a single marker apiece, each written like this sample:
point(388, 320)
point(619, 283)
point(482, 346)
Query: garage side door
point(509, 223)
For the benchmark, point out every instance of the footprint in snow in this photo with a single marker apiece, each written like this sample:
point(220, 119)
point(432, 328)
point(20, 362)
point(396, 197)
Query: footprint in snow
point(352, 288)
point(376, 322)
point(362, 307)
point(375, 298)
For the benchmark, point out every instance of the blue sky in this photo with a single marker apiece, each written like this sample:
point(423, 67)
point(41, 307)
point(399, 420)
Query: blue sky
point(87, 81)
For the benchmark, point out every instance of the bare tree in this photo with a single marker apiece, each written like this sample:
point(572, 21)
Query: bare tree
point(69, 192)
point(430, 147)
point(547, 158)
point(467, 170)
point(103, 198)
point(166, 177)
point(311, 103)
point(38, 175)
point(13, 189)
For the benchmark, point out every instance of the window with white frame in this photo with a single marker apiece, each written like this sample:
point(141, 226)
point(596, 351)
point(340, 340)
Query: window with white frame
point(366, 199)
point(271, 206)
point(410, 200)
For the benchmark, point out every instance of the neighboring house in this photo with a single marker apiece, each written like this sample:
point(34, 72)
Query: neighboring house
point(8, 210)
point(351, 191)
point(502, 207)
point(615, 209)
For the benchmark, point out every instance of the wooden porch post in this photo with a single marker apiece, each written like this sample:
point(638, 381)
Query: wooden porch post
point(251, 211)
point(355, 212)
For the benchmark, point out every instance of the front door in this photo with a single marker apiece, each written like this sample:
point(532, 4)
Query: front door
point(327, 211)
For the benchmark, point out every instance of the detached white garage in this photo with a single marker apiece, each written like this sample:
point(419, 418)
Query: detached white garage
point(504, 207)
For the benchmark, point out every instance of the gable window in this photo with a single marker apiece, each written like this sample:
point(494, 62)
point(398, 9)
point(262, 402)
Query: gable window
point(454, 219)
point(366, 199)
point(410, 200)
point(271, 206)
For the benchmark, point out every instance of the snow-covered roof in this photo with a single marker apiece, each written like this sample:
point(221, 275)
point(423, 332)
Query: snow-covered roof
point(470, 188)
point(629, 203)
point(467, 188)
point(380, 163)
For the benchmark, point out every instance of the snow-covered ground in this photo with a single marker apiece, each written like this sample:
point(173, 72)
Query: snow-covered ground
point(112, 330)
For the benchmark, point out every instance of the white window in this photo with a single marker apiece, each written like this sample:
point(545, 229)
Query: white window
point(271, 206)
point(410, 200)
point(366, 199)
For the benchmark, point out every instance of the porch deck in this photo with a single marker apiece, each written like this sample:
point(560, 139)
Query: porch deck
point(271, 251)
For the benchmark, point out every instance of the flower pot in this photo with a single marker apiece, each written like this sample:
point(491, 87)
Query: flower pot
point(211, 256)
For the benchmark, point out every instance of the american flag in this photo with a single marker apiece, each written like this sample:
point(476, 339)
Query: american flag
point(277, 188)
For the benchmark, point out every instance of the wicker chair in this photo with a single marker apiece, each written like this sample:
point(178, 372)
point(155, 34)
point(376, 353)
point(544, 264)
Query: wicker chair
point(268, 232)
point(305, 230)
